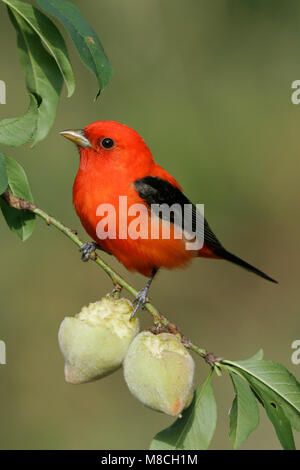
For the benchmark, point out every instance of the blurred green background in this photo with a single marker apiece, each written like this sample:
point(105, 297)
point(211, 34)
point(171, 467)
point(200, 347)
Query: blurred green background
point(208, 86)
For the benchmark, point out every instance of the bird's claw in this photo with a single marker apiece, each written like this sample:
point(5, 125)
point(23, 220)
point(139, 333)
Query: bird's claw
point(140, 301)
point(87, 249)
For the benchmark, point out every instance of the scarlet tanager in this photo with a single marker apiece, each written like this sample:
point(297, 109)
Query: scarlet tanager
point(114, 162)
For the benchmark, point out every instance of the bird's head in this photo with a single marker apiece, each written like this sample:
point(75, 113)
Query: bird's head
point(108, 141)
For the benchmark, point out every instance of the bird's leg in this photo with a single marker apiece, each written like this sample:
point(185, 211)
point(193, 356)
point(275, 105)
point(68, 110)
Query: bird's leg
point(87, 249)
point(141, 297)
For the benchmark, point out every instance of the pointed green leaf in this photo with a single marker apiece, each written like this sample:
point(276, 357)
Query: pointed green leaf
point(278, 380)
point(42, 74)
point(84, 37)
point(20, 222)
point(244, 414)
point(257, 356)
point(50, 35)
point(18, 131)
point(275, 413)
point(3, 173)
point(195, 429)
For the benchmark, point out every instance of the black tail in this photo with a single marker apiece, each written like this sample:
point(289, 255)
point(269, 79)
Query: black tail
point(236, 260)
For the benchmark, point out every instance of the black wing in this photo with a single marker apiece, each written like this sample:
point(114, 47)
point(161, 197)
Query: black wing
point(155, 190)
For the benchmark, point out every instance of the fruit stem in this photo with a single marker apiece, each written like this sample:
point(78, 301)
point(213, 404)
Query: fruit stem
point(160, 320)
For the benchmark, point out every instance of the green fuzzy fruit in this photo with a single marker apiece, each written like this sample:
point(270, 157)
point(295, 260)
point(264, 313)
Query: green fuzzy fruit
point(159, 372)
point(95, 341)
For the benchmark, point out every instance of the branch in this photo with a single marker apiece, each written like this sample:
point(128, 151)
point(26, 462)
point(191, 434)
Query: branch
point(161, 323)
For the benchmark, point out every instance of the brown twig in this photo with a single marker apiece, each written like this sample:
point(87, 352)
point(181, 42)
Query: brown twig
point(161, 323)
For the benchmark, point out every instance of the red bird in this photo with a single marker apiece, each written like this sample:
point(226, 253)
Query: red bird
point(114, 162)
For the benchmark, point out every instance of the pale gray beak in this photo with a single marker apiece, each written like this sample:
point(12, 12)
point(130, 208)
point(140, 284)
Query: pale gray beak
point(77, 136)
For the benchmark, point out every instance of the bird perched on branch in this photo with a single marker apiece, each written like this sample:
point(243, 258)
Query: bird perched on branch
point(116, 163)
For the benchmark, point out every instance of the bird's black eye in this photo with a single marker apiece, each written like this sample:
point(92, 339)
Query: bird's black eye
point(107, 143)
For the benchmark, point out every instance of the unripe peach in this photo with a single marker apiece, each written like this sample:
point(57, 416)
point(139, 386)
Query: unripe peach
point(95, 341)
point(159, 372)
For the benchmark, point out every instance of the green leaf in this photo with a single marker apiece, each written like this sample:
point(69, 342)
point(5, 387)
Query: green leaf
point(278, 380)
point(43, 76)
point(3, 173)
point(257, 356)
point(275, 413)
point(195, 429)
point(20, 222)
point(244, 414)
point(50, 35)
point(18, 131)
point(84, 37)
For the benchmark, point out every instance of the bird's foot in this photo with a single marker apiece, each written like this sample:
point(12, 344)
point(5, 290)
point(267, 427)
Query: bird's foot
point(140, 301)
point(87, 249)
